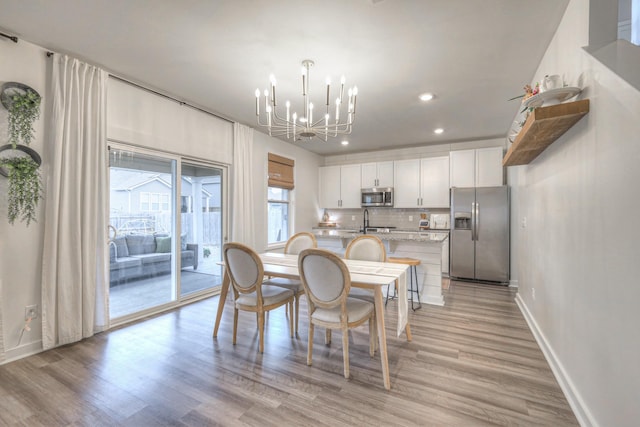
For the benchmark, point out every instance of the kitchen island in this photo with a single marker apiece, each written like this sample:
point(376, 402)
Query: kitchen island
point(427, 246)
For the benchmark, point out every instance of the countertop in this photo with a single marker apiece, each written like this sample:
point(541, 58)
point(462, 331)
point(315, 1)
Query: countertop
point(397, 235)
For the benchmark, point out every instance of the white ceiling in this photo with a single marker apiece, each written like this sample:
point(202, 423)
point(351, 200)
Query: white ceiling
point(473, 54)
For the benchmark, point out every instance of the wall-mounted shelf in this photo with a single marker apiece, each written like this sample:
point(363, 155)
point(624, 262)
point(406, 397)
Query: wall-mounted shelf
point(542, 128)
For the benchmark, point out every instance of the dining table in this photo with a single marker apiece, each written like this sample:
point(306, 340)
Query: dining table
point(364, 274)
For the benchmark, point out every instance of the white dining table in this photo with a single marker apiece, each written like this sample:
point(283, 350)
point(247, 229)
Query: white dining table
point(364, 274)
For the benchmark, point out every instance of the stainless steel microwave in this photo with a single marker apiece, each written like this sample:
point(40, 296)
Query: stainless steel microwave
point(377, 196)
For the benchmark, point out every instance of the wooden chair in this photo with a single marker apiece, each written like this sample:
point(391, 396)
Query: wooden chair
point(251, 293)
point(296, 244)
point(368, 248)
point(365, 248)
point(327, 282)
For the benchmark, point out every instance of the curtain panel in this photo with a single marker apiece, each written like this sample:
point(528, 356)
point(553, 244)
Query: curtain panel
point(242, 222)
point(75, 271)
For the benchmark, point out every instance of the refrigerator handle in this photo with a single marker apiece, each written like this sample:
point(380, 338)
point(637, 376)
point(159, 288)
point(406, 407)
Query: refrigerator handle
point(473, 220)
point(477, 222)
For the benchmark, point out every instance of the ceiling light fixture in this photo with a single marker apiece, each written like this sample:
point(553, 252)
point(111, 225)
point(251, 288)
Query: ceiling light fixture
point(438, 131)
point(345, 142)
point(297, 127)
point(426, 97)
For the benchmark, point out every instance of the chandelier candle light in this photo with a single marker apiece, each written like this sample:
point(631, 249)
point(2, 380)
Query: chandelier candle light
point(298, 127)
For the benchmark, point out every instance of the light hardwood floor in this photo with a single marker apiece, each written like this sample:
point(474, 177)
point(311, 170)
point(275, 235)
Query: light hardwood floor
point(471, 363)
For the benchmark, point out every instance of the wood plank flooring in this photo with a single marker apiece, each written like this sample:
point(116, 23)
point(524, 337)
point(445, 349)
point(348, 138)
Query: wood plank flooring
point(471, 363)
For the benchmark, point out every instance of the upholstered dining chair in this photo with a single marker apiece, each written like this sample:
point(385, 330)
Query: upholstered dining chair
point(327, 282)
point(251, 293)
point(365, 248)
point(296, 244)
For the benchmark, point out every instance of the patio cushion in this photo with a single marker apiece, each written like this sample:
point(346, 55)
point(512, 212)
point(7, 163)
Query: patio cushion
point(163, 244)
point(121, 247)
point(141, 244)
point(153, 258)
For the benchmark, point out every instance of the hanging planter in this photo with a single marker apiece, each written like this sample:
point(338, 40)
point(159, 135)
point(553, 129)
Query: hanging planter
point(25, 187)
point(23, 104)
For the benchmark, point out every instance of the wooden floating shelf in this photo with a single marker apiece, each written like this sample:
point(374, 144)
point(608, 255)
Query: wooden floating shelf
point(543, 126)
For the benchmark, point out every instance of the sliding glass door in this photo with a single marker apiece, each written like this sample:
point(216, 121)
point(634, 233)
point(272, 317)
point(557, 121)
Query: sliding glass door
point(201, 226)
point(165, 233)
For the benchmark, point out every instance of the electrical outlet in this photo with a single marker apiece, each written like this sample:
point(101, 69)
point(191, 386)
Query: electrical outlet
point(533, 293)
point(524, 222)
point(31, 311)
point(410, 218)
point(353, 217)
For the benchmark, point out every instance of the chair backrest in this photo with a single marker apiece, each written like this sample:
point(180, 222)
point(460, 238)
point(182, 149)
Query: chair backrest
point(325, 278)
point(244, 266)
point(366, 248)
point(299, 242)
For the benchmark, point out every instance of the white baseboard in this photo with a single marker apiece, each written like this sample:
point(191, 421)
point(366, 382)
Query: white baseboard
point(22, 351)
point(580, 409)
point(513, 283)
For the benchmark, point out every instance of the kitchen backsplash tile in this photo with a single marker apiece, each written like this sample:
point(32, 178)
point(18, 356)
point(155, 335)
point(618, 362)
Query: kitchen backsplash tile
point(353, 218)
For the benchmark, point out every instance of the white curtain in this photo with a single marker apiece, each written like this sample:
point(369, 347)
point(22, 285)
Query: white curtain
point(75, 274)
point(242, 224)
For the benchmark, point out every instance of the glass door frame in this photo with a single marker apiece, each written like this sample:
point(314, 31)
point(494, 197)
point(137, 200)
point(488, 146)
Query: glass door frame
point(176, 300)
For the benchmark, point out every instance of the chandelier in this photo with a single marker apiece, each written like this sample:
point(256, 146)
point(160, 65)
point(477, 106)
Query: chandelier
point(288, 123)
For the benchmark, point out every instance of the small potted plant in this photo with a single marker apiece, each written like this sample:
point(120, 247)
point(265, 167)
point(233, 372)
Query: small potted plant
point(25, 188)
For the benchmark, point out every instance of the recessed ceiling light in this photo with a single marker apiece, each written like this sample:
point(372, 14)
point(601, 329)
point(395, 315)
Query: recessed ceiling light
point(438, 131)
point(426, 97)
point(345, 142)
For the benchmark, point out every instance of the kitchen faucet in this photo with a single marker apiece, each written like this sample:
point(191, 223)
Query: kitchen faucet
point(365, 224)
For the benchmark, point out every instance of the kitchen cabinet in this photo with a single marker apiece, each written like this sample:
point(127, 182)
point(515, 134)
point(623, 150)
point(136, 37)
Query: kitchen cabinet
point(481, 167)
point(340, 186)
point(377, 174)
point(422, 183)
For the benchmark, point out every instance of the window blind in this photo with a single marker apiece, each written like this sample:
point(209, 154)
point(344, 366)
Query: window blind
point(280, 172)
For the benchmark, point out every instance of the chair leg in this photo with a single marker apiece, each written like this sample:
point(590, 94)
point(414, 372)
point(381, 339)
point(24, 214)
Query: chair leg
point(345, 351)
point(235, 324)
point(372, 342)
point(327, 337)
point(291, 318)
point(297, 311)
point(310, 345)
point(261, 330)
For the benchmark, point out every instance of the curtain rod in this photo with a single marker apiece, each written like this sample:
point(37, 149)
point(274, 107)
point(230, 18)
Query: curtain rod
point(49, 54)
point(12, 38)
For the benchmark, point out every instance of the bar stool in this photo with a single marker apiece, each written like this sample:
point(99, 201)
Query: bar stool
point(413, 272)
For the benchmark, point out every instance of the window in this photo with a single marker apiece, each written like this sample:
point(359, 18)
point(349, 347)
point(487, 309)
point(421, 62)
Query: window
point(629, 20)
point(278, 215)
point(154, 202)
point(279, 198)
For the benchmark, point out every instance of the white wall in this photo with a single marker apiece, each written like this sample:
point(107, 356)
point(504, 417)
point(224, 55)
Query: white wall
point(21, 246)
point(307, 211)
point(579, 250)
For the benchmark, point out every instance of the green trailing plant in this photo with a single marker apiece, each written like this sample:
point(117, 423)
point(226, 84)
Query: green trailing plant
point(25, 188)
point(23, 111)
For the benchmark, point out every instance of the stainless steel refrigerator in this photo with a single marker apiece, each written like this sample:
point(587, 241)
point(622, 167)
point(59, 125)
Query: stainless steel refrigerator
point(479, 242)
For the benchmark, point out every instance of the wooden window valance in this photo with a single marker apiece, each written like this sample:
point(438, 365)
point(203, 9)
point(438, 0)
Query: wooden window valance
point(280, 172)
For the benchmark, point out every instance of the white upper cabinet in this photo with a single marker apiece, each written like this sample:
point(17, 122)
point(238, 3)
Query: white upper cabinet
point(377, 174)
point(422, 183)
point(340, 186)
point(407, 184)
point(489, 167)
point(350, 191)
point(434, 181)
point(481, 167)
